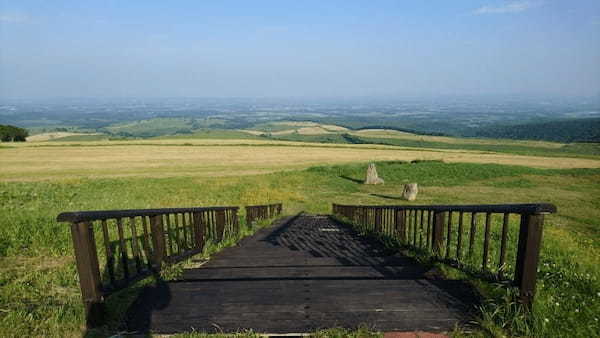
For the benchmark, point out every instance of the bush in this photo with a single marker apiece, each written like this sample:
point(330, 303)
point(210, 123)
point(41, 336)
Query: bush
point(13, 134)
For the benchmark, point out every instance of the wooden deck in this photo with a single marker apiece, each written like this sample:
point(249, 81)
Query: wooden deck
point(301, 275)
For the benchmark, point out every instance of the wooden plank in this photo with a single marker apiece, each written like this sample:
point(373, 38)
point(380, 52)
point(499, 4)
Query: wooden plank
point(265, 284)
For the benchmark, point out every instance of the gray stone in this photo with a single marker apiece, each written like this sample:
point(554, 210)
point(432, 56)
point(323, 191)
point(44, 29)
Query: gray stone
point(410, 191)
point(372, 177)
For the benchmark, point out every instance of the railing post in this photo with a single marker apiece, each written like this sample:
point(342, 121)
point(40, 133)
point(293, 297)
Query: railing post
point(86, 259)
point(528, 252)
point(437, 236)
point(158, 241)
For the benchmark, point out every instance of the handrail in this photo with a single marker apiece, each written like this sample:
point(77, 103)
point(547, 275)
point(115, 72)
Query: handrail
point(136, 243)
point(432, 228)
point(524, 208)
point(258, 212)
point(80, 216)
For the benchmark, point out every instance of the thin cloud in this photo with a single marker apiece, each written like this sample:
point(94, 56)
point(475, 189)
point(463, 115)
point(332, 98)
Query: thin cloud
point(13, 18)
point(510, 7)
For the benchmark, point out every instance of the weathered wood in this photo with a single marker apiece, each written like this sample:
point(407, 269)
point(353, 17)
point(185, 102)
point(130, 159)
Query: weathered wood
point(147, 249)
point(401, 224)
point(486, 241)
point(449, 235)
point(269, 284)
point(135, 249)
point(503, 242)
point(438, 232)
point(472, 232)
point(460, 235)
point(110, 257)
point(86, 259)
point(532, 208)
point(123, 247)
point(220, 224)
point(530, 239)
point(158, 241)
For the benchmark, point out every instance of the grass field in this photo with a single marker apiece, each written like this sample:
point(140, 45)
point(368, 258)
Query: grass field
point(39, 294)
point(216, 157)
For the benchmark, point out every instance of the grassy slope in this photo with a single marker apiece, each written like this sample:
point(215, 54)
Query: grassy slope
point(40, 296)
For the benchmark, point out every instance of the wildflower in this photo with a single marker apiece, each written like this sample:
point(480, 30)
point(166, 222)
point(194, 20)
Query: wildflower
point(547, 320)
point(576, 310)
point(557, 304)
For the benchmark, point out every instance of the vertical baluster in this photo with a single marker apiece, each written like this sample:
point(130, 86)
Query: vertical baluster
point(502, 260)
point(220, 225)
point(429, 227)
point(421, 229)
point(158, 241)
point(184, 226)
point(123, 247)
point(178, 233)
point(486, 240)
point(135, 245)
point(169, 234)
point(147, 251)
point(437, 232)
point(449, 235)
point(460, 235)
point(110, 258)
point(236, 221)
point(472, 233)
point(415, 216)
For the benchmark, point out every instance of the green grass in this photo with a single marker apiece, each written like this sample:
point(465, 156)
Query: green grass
point(162, 126)
point(39, 294)
point(587, 150)
point(213, 134)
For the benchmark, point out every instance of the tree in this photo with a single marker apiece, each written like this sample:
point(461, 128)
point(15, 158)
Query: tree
point(12, 134)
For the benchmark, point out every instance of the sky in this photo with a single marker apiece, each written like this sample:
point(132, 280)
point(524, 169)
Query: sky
point(324, 48)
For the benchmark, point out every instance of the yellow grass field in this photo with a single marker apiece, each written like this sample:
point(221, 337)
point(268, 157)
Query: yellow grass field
point(208, 158)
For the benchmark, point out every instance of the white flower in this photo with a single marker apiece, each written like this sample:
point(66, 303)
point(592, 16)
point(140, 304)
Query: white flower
point(576, 310)
point(557, 304)
point(547, 320)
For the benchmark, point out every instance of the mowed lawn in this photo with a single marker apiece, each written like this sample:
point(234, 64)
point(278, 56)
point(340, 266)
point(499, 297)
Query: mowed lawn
point(209, 158)
point(39, 292)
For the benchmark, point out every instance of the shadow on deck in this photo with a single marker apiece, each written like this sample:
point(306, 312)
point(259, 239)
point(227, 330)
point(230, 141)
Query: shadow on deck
point(301, 275)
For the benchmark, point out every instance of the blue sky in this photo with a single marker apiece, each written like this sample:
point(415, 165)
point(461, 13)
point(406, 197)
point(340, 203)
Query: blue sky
point(298, 48)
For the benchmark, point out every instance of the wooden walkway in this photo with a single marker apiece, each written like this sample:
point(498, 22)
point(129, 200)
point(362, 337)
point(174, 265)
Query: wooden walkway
point(301, 275)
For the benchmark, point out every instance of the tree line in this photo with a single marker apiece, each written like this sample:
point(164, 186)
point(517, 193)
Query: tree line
point(12, 134)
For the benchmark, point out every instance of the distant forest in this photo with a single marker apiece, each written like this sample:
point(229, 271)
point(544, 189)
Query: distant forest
point(567, 130)
point(12, 134)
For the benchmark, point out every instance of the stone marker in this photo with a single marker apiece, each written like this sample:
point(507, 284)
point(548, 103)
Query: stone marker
point(372, 177)
point(410, 191)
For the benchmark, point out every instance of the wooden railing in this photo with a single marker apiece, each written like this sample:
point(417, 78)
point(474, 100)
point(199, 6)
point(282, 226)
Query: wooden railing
point(497, 247)
point(136, 243)
point(258, 212)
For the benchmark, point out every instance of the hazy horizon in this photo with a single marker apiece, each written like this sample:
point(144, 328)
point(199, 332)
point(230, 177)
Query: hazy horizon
point(313, 49)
